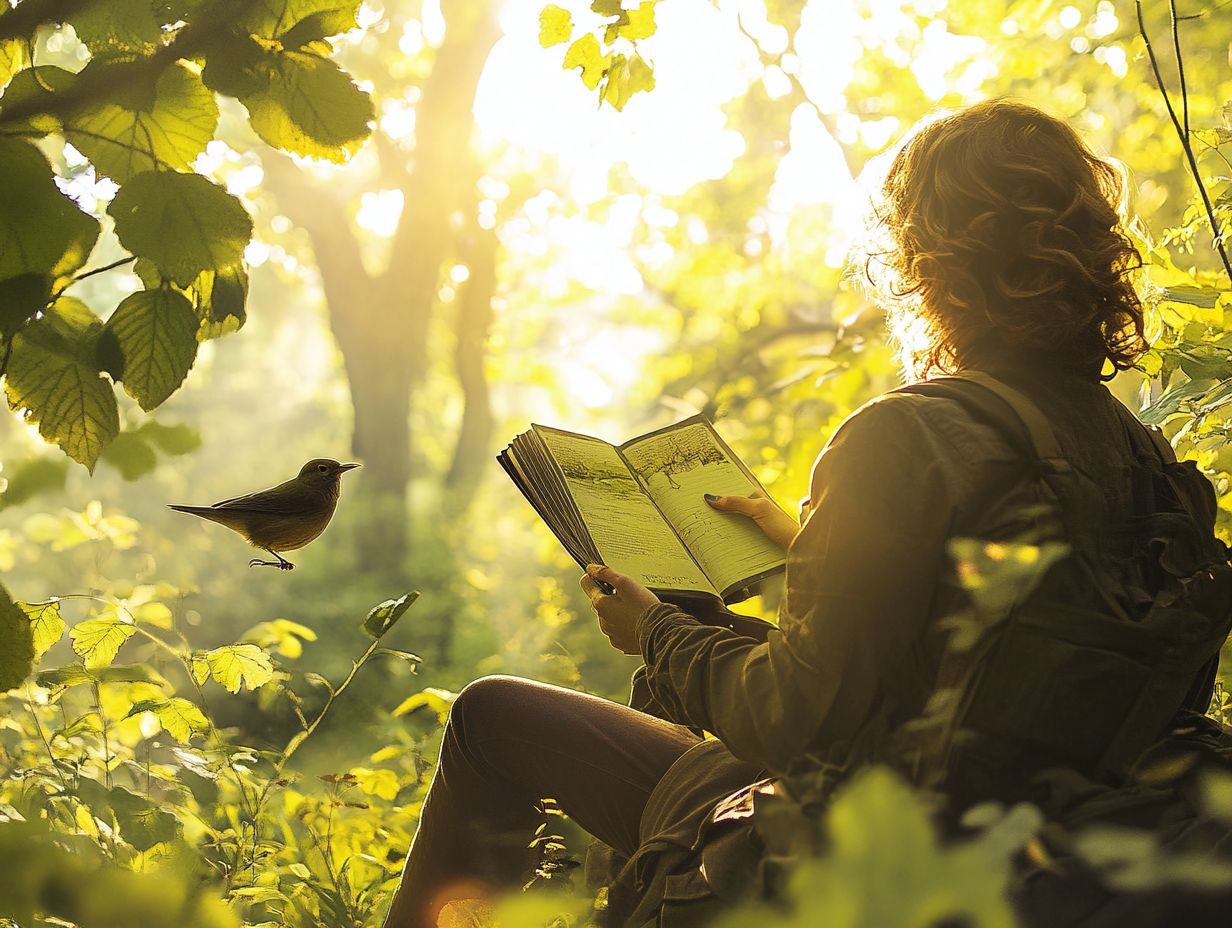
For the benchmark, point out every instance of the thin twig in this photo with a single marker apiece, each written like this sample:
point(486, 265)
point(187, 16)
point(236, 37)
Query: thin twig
point(102, 726)
point(1184, 137)
point(1180, 65)
point(99, 270)
point(38, 726)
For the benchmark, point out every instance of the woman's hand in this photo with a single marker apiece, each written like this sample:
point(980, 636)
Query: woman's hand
point(618, 612)
point(775, 524)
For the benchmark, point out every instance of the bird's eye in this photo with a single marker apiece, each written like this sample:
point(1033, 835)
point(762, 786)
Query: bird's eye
point(323, 468)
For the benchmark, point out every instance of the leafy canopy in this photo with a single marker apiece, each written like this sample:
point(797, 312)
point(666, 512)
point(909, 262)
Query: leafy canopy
point(140, 110)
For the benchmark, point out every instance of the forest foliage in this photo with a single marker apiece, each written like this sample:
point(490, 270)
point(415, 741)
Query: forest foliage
point(139, 113)
point(182, 745)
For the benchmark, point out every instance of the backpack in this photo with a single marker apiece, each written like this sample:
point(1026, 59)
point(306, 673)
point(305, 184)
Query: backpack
point(1092, 666)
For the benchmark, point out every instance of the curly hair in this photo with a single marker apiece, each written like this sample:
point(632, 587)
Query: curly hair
point(1004, 233)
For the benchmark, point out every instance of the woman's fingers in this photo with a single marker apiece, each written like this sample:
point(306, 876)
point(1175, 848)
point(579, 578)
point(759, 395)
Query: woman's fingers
point(615, 580)
point(592, 589)
point(751, 506)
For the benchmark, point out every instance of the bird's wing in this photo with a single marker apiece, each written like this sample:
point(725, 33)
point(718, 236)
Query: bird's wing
point(286, 498)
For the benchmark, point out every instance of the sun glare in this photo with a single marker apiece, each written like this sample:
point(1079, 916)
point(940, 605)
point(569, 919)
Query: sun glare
point(667, 141)
point(705, 55)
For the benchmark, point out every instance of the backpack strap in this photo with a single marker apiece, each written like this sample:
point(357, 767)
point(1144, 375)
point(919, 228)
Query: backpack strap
point(1015, 416)
point(1137, 430)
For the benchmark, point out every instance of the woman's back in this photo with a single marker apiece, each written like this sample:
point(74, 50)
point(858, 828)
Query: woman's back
point(1109, 624)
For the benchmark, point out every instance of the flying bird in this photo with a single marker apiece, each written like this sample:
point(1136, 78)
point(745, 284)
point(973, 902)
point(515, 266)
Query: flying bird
point(284, 517)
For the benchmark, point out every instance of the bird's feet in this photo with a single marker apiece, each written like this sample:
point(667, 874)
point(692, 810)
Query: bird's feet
point(280, 564)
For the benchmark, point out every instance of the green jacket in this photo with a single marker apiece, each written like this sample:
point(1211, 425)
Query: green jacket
point(858, 645)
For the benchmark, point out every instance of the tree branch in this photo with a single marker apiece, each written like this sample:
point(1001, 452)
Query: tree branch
point(22, 20)
point(474, 308)
point(1182, 130)
point(188, 43)
point(325, 221)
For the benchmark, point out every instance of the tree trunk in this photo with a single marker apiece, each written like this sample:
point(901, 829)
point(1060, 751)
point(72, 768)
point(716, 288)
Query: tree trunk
point(381, 322)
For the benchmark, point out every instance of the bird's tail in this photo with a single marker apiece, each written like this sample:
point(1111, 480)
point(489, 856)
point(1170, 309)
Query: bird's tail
point(228, 517)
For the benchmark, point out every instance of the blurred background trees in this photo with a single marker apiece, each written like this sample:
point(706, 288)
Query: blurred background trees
point(493, 243)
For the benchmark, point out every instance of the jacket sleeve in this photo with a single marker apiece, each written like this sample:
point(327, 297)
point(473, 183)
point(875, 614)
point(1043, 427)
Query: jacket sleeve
point(860, 579)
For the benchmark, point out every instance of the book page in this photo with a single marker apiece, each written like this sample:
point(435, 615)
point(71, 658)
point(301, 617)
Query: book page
point(677, 466)
point(628, 531)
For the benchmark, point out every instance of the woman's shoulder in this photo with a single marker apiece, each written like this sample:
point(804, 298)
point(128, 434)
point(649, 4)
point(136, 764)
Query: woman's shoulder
point(910, 434)
point(904, 418)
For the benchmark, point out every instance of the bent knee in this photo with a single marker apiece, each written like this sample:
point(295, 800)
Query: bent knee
point(488, 695)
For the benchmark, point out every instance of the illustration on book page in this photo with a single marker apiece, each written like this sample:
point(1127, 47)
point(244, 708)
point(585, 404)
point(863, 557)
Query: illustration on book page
point(677, 467)
point(626, 528)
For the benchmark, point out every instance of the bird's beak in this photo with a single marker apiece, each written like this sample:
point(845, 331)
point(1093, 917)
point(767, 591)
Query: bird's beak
point(343, 468)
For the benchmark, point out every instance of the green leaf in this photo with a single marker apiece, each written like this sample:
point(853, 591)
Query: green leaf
point(16, 644)
point(411, 660)
point(172, 439)
point(380, 782)
point(584, 53)
point(12, 59)
point(46, 624)
point(1202, 297)
point(78, 674)
point(164, 126)
point(233, 64)
point(237, 665)
point(555, 25)
point(32, 477)
point(637, 23)
point(89, 723)
point(281, 19)
point(285, 636)
point(180, 718)
point(117, 27)
point(182, 222)
point(998, 575)
point(22, 297)
point(626, 77)
point(37, 87)
point(143, 823)
point(438, 700)
point(42, 232)
point(135, 452)
point(307, 105)
point(320, 25)
point(156, 332)
point(130, 455)
point(221, 297)
point(1173, 399)
point(383, 616)
point(54, 377)
point(99, 640)
point(1217, 795)
point(200, 669)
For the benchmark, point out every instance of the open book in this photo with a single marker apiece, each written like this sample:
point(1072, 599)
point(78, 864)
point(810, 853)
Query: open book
point(638, 508)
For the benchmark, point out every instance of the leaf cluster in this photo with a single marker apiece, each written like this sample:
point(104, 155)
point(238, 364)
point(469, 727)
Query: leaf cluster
point(141, 111)
point(124, 783)
point(607, 58)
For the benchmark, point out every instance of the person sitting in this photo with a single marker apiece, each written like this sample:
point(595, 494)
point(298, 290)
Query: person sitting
point(1008, 267)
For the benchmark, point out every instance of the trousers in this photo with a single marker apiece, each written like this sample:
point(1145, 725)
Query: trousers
point(508, 744)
